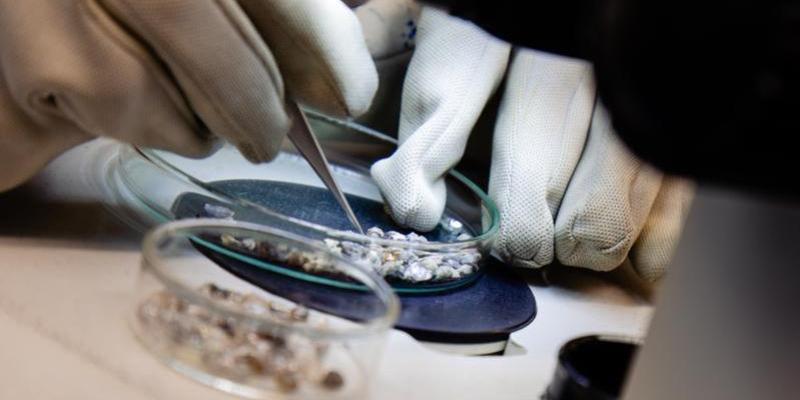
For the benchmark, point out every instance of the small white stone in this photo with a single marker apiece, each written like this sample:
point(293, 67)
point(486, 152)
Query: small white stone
point(210, 337)
point(469, 258)
point(464, 236)
point(375, 232)
point(443, 273)
point(390, 268)
point(394, 235)
point(255, 304)
point(215, 211)
point(454, 225)
point(464, 270)
point(334, 246)
point(416, 273)
point(352, 248)
point(414, 237)
point(373, 258)
point(451, 262)
point(430, 262)
point(393, 254)
point(229, 240)
point(249, 243)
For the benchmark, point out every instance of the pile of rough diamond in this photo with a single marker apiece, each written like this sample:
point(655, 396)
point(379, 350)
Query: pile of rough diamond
point(406, 262)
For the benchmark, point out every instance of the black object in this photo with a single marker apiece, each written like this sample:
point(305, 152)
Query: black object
point(591, 368)
point(704, 89)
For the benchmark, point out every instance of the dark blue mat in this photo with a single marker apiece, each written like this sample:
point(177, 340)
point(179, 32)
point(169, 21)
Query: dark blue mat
point(487, 309)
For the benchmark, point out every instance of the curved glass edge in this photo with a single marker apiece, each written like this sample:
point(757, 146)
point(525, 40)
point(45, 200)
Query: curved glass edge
point(486, 236)
point(399, 288)
point(188, 229)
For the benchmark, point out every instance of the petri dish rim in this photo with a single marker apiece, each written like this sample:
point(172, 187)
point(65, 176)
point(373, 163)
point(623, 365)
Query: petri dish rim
point(487, 234)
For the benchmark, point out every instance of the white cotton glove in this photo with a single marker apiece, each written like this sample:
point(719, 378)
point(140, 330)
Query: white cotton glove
point(442, 99)
point(171, 73)
point(566, 188)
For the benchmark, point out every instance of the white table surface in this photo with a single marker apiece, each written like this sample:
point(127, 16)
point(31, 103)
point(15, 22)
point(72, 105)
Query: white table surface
point(67, 266)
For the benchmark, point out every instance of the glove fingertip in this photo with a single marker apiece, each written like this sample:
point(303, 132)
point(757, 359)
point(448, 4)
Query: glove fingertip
point(264, 145)
point(410, 203)
point(360, 91)
point(649, 273)
point(585, 243)
point(523, 242)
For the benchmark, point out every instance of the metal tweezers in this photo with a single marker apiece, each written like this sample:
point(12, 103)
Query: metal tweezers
point(306, 143)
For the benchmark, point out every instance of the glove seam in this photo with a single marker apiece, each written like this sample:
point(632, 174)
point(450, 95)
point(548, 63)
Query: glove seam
point(564, 144)
point(640, 172)
point(505, 246)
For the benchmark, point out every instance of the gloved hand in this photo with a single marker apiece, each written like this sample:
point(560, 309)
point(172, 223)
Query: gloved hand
point(171, 74)
point(566, 188)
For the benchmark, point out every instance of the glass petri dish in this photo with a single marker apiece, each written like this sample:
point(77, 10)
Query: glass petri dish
point(291, 338)
point(157, 186)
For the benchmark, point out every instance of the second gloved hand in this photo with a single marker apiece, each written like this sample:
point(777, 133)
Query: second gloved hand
point(171, 74)
point(566, 188)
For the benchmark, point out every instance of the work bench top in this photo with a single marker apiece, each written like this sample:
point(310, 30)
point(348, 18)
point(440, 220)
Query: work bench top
point(67, 268)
